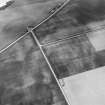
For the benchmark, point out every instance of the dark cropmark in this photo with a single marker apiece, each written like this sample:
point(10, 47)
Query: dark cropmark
point(9, 3)
point(88, 11)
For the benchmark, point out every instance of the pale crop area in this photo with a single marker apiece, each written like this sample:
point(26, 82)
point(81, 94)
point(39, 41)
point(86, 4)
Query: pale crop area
point(20, 14)
point(3, 2)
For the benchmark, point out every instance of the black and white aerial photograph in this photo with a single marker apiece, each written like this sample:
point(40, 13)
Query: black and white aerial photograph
point(25, 77)
point(52, 52)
